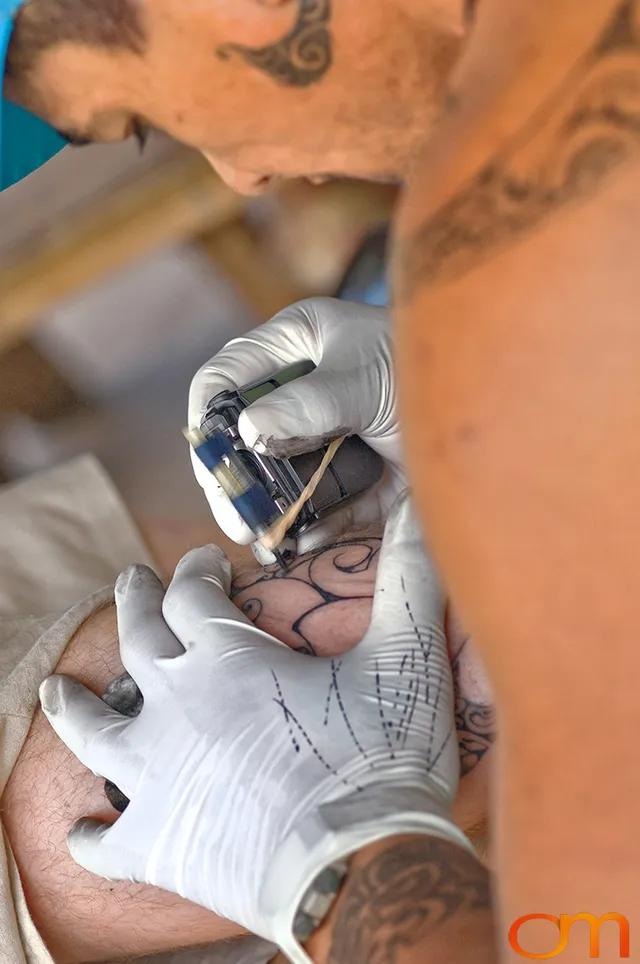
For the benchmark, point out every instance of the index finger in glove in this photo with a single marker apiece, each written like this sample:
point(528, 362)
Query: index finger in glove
point(91, 845)
point(284, 340)
point(92, 730)
point(197, 602)
point(409, 601)
point(144, 635)
point(310, 412)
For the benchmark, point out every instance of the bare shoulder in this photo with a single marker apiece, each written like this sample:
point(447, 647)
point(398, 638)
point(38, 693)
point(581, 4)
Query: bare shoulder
point(516, 268)
point(544, 109)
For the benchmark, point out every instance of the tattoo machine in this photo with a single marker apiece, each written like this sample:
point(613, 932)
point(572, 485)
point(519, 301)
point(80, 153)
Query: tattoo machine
point(279, 497)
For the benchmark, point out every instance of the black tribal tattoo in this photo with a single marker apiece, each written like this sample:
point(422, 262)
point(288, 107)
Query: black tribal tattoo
point(300, 58)
point(327, 576)
point(475, 723)
point(587, 129)
point(407, 891)
point(330, 577)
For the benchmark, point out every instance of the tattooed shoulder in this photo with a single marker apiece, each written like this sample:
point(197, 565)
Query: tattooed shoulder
point(562, 154)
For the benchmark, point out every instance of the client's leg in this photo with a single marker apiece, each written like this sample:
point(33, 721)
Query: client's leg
point(321, 605)
point(81, 917)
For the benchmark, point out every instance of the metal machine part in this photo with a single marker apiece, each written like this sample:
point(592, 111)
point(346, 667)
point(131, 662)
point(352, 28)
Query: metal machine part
point(261, 487)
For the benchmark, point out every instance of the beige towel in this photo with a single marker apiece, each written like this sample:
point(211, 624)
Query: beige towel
point(63, 536)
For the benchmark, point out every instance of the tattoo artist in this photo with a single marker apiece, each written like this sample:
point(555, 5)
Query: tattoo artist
point(515, 127)
point(293, 766)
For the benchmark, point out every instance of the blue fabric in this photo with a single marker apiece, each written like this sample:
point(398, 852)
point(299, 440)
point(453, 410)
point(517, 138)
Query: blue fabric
point(25, 141)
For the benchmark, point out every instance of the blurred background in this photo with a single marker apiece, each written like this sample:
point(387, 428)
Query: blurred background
point(121, 274)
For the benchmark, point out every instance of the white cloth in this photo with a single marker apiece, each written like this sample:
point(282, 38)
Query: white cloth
point(63, 536)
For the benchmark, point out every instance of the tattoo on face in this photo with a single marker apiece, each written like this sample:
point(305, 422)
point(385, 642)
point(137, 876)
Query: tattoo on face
point(302, 57)
point(407, 891)
point(579, 135)
point(475, 723)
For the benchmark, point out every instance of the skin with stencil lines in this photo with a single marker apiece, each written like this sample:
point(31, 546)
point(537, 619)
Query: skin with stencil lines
point(331, 577)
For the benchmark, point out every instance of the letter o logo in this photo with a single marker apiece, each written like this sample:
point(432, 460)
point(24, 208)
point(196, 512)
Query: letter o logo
point(514, 940)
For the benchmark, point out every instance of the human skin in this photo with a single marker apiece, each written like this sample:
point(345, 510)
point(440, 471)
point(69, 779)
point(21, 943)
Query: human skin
point(323, 604)
point(80, 917)
point(517, 274)
point(518, 336)
point(431, 897)
point(362, 111)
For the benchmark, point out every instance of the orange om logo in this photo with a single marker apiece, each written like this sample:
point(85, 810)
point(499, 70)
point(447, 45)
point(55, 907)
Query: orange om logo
point(564, 923)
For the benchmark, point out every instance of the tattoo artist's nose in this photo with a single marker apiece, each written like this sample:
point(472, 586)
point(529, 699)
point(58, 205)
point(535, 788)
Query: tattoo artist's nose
point(244, 182)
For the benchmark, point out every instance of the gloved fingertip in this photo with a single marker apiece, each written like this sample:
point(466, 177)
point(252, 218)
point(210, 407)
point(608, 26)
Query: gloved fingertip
point(267, 427)
point(123, 580)
point(263, 556)
point(83, 837)
point(58, 692)
point(327, 531)
point(208, 562)
point(250, 432)
point(133, 578)
point(50, 695)
point(218, 556)
point(85, 826)
point(401, 516)
point(209, 551)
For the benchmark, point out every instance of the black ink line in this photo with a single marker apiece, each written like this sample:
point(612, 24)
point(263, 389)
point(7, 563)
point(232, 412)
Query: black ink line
point(385, 729)
point(433, 763)
point(287, 714)
point(345, 715)
point(307, 572)
point(328, 703)
point(290, 716)
point(475, 723)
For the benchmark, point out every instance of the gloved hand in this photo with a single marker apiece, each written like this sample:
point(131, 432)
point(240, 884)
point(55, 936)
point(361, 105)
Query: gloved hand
point(351, 391)
point(252, 768)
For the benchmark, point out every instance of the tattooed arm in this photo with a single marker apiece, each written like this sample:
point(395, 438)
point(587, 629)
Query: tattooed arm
point(475, 720)
point(518, 269)
point(410, 899)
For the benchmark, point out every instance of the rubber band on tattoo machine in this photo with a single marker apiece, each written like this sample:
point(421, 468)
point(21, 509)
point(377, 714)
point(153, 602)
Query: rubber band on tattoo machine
point(284, 494)
point(278, 531)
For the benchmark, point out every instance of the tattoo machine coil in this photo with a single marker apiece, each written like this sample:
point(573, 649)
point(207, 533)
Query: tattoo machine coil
point(268, 493)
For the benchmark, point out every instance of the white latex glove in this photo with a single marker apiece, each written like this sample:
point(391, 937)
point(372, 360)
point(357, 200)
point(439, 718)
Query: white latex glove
point(351, 391)
point(251, 767)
